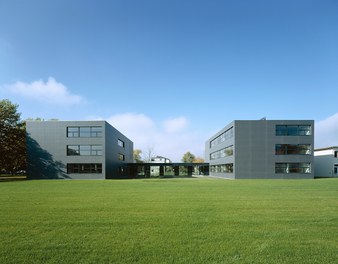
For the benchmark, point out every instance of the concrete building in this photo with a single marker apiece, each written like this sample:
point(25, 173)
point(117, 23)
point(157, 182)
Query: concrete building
point(326, 162)
point(267, 149)
point(77, 150)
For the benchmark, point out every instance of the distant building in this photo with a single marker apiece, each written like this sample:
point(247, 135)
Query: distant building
point(267, 149)
point(160, 159)
point(326, 162)
point(77, 150)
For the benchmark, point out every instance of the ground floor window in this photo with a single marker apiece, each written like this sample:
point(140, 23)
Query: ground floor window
point(222, 168)
point(335, 170)
point(84, 168)
point(293, 167)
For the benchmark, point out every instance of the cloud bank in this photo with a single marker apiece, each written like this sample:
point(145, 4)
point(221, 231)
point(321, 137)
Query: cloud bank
point(49, 92)
point(170, 138)
point(326, 132)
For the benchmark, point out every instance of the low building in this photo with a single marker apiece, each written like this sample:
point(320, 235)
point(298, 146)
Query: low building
point(77, 150)
point(326, 162)
point(262, 149)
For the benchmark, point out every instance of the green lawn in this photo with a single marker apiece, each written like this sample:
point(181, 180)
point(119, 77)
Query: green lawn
point(169, 221)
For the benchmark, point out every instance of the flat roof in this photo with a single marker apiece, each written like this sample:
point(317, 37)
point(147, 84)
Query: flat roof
point(327, 148)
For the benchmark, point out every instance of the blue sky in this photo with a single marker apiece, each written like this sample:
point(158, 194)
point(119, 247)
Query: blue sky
point(169, 74)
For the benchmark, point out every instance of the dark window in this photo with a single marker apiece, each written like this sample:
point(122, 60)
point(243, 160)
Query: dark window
point(293, 130)
point(84, 150)
point(84, 132)
point(121, 157)
point(336, 154)
point(290, 149)
point(84, 168)
point(120, 143)
point(293, 168)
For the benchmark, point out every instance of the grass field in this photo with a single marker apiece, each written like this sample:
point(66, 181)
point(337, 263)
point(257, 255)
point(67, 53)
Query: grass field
point(169, 221)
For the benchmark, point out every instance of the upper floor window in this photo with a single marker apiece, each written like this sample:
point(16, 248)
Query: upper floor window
point(84, 131)
point(293, 149)
point(84, 150)
point(293, 130)
point(121, 157)
point(222, 153)
point(120, 143)
point(336, 154)
point(222, 137)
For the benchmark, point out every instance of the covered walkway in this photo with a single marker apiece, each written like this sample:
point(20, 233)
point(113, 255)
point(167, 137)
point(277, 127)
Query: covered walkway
point(148, 170)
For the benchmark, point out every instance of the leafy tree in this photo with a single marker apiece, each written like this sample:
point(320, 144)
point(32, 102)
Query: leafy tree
point(188, 157)
point(12, 138)
point(137, 155)
point(198, 160)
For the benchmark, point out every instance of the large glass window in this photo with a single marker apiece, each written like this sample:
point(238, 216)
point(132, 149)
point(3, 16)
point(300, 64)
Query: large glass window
point(293, 130)
point(84, 132)
point(222, 137)
point(293, 168)
point(293, 149)
point(223, 168)
point(222, 153)
point(84, 150)
point(84, 168)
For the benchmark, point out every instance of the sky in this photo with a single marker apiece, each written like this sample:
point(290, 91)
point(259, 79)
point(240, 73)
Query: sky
point(169, 74)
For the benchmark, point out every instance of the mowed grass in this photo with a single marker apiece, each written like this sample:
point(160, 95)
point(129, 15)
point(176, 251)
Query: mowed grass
point(169, 221)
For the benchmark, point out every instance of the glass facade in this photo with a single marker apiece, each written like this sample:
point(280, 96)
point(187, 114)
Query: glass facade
point(222, 137)
point(84, 168)
point(293, 149)
point(222, 153)
point(84, 132)
point(293, 130)
point(84, 150)
point(293, 168)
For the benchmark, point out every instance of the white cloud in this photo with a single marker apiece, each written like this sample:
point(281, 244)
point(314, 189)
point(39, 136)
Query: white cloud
point(171, 139)
point(50, 92)
point(175, 125)
point(326, 132)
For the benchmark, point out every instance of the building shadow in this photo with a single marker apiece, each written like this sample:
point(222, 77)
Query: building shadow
point(40, 163)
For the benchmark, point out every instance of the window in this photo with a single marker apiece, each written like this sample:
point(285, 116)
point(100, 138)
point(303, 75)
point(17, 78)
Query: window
point(289, 149)
point(120, 157)
point(84, 132)
point(293, 130)
point(84, 168)
point(120, 143)
point(222, 153)
point(293, 168)
point(222, 137)
point(336, 154)
point(335, 169)
point(223, 168)
point(84, 150)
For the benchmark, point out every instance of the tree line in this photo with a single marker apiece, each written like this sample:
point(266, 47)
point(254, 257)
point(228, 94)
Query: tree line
point(12, 139)
point(188, 157)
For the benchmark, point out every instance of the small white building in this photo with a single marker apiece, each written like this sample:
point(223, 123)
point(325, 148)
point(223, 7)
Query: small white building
point(326, 162)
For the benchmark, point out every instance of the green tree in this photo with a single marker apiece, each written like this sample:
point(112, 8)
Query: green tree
point(137, 155)
point(12, 138)
point(188, 157)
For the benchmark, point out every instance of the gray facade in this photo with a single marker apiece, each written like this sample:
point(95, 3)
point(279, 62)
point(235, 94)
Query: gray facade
point(262, 149)
point(77, 150)
point(326, 162)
